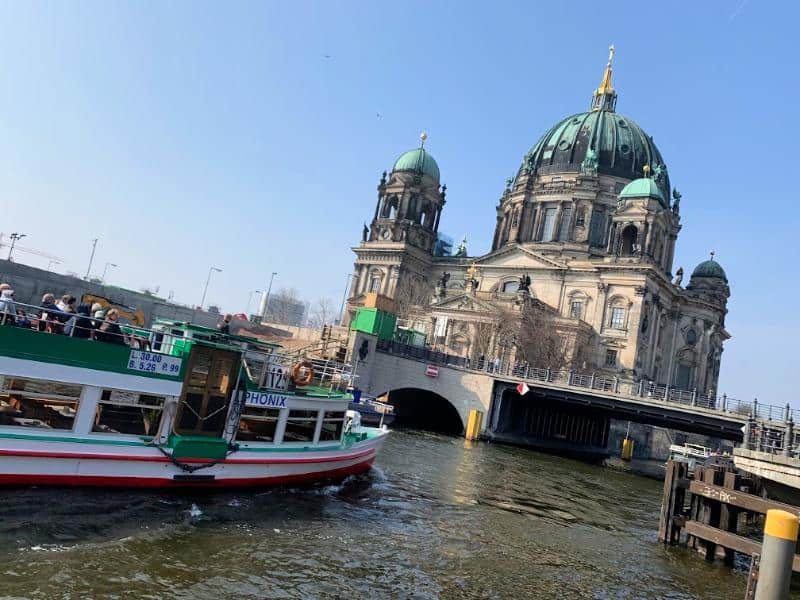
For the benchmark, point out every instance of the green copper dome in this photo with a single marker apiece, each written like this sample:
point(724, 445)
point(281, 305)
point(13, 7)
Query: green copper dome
point(621, 146)
point(417, 161)
point(644, 187)
point(710, 269)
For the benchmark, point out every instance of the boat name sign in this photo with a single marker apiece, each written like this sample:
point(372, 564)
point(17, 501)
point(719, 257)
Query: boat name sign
point(150, 362)
point(265, 399)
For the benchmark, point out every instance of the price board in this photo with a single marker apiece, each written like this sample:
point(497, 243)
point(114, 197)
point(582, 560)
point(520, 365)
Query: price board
point(157, 364)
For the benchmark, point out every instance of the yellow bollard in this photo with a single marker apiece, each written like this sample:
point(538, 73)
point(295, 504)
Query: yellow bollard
point(777, 554)
point(474, 424)
point(627, 449)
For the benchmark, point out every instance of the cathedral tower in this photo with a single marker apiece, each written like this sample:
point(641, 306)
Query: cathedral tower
point(396, 249)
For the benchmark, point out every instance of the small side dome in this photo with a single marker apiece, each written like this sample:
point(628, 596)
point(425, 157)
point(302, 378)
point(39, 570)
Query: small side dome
point(417, 161)
point(710, 269)
point(644, 187)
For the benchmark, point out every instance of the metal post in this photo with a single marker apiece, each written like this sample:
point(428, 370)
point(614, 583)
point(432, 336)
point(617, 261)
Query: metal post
point(344, 298)
point(591, 382)
point(91, 258)
point(205, 289)
point(724, 403)
point(754, 412)
point(569, 377)
point(641, 387)
point(786, 413)
point(788, 437)
point(666, 393)
point(616, 384)
point(547, 374)
point(777, 554)
point(694, 397)
point(266, 299)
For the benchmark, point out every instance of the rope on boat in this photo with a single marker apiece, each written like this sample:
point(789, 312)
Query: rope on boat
point(192, 468)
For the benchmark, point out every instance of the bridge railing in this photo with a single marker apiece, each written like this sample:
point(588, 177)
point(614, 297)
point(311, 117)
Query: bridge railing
point(596, 381)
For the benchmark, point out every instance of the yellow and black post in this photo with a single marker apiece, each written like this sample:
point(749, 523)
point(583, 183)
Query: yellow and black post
point(777, 555)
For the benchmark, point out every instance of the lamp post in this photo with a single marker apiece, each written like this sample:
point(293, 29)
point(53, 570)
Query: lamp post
point(250, 301)
point(15, 237)
point(266, 298)
point(91, 258)
point(205, 289)
point(344, 298)
point(105, 270)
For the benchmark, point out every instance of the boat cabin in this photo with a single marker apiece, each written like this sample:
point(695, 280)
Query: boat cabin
point(193, 389)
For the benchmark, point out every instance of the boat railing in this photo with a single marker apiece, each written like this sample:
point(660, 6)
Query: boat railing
point(273, 370)
point(48, 320)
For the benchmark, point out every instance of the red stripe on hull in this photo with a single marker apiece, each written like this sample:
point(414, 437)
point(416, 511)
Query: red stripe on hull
point(158, 482)
point(164, 459)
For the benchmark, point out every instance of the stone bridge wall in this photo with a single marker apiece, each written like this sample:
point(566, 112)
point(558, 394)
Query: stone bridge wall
point(380, 373)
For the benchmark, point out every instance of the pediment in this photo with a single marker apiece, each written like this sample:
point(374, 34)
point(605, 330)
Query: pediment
point(465, 302)
point(518, 258)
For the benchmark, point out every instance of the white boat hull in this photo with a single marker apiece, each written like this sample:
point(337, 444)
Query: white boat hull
point(33, 462)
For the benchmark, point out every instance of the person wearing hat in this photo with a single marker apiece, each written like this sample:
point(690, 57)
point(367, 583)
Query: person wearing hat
point(8, 309)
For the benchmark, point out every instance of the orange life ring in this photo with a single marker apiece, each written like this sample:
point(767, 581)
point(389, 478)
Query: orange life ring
point(307, 378)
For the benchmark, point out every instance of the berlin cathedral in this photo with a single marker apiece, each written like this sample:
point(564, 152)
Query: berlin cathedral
point(584, 239)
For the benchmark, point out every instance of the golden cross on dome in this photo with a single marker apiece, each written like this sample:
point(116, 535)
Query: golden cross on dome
point(712, 255)
point(611, 51)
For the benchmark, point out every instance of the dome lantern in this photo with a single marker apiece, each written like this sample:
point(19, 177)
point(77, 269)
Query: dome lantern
point(605, 97)
point(710, 269)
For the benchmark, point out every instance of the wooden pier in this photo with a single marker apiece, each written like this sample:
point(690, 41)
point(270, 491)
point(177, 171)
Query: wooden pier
point(717, 511)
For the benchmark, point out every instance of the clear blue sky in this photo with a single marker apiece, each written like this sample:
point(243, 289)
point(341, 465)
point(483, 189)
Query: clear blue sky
point(247, 136)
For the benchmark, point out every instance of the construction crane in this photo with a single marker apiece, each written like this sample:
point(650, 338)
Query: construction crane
point(33, 251)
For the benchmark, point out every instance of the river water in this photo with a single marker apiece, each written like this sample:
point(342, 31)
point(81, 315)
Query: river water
point(437, 518)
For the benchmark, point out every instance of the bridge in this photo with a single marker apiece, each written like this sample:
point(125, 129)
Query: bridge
point(561, 409)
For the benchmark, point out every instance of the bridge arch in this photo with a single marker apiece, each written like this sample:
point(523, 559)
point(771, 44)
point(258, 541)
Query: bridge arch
point(424, 409)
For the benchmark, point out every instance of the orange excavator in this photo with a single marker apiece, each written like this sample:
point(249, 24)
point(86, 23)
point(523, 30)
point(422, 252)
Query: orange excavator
point(129, 314)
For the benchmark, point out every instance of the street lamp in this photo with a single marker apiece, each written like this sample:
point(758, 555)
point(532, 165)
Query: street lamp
point(344, 297)
point(250, 301)
point(266, 298)
point(91, 258)
point(15, 237)
point(205, 289)
point(105, 270)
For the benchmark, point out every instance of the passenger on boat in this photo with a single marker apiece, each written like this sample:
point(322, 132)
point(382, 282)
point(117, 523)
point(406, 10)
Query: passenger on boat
point(8, 309)
point(67, 306)
point(110, 330)
point(98, 314)
point(224, 326)
point(80, 325)
point(49, 317)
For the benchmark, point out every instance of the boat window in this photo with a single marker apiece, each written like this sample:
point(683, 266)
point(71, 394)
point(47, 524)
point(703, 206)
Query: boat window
point(221, 376)
point(200, 367)
point(331, 426)
point(37, 403)
point(258, 424)
point(128, 412)
point(300, 426)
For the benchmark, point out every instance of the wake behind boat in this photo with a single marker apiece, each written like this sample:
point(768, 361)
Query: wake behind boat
point(176, 405)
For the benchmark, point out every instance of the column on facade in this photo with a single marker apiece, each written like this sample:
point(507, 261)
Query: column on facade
point(702, 364)
point(378, 206)
point(557, 224)
point(644, 249)
point(671, 365)
point(600, 309)
point(436, 222)
point(655, 316)
point(533, 213)
point(669, 254)
point(612, 237)
point(537, 224)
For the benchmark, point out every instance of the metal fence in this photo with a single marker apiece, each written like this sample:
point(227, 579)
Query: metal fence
point(621, 386)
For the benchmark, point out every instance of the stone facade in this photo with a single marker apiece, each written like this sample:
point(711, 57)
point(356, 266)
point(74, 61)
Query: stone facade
point(585, 233)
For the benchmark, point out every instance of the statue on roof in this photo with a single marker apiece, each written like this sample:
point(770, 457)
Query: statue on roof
point(678, 276)
point(444, 192)
point(524, 283)
point(444, 279)
point(364, 233)
point(659, 173)
point(509, 183)
point(590, 162)
point(676, 205)
point(461, 251)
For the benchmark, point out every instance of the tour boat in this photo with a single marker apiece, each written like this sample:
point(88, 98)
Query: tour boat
point(174, 406)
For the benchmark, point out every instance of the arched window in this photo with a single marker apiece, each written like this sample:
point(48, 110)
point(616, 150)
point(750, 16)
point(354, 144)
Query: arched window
point(630, 237)
point(510, 287)
point(617, 313)
point(389, 207)
point(580, 218)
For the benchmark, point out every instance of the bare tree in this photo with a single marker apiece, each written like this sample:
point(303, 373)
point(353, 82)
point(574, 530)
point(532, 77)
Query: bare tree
point(322, 313)
point(412, 297)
